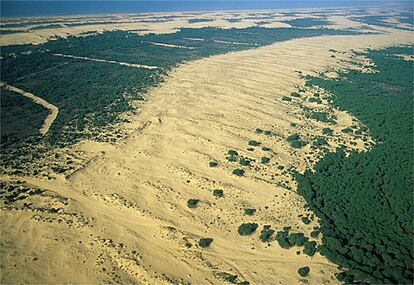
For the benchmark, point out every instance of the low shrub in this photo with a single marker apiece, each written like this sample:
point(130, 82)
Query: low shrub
point(247, 228)
point(306, 220)
point(327, 131)
point(266, 234)
point(297, 239)
point(310, 248)
point(205, 242)
point(265, 159)
point(213, 163)
point(254, 143)
point(304, 271)
point(192, 203)
point(245, 161)
point(218, 193)
point(232, 152)
point(250, 211)
point(238, 172)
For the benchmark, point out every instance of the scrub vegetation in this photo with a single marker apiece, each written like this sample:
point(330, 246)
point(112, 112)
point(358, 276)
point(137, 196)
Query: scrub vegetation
point(92, 95)
point(364, 200)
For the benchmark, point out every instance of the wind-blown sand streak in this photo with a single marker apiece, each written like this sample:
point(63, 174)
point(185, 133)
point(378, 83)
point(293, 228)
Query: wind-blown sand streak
point(107, 61)
point(54, 111)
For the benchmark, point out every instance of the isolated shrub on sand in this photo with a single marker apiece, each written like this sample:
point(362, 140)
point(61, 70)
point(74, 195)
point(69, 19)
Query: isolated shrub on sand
point(232, 152)
point(192, 203)
point(238, 172)
point(245, 161)
point(254, 143)
point(286, 98)
point(304, 271)
point(213, 163)
point(265, 159)
point(249, 211)
point(205, 242)
point(247, 228)
point(218, 192)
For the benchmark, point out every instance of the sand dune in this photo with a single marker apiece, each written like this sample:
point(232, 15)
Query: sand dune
point(124, 217)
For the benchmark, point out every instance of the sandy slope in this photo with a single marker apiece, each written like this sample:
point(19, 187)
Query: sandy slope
point(124, 217)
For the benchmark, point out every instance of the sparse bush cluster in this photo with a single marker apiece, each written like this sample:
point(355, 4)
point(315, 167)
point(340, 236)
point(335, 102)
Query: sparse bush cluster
point(295, 141)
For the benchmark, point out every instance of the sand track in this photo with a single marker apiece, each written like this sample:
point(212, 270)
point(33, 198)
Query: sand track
point(54, 111)
point(135, 193)
point(107, 61)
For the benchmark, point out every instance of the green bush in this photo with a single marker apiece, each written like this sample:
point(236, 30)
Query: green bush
point(327, 131)
point(213, 163)
point(205, 242)
point(309, 248)
point(319, 142)
point(315, 233)
point(297, 239)
point(304, 271)
point(218, 192)
point(265, 159)
point(245, 161)
point(250, 211)
point(295, 94)
point(247, 228)
point(238, 172)
point(266, 148)
point(293, 137)
point(259, 131)
point(266, 234)
point(232, 158)
point(192, 203)
point(306, 220)
point(347, 130)
point(268, 133)
point(315, 100)
point(286, 98)
point(282, 238)
point(254, 143)
point(232, 152)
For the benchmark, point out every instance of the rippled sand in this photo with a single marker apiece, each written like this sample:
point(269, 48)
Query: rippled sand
point(124, 217)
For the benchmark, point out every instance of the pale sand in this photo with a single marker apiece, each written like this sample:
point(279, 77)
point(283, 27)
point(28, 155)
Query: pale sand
point(135, 192)
point(143, 24)
point(107, 61)
point(54, 111)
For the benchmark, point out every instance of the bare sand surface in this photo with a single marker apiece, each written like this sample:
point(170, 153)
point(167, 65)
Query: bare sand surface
point(123, 218)
point(107, 61)
point(154, 23)
point(54, 111)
